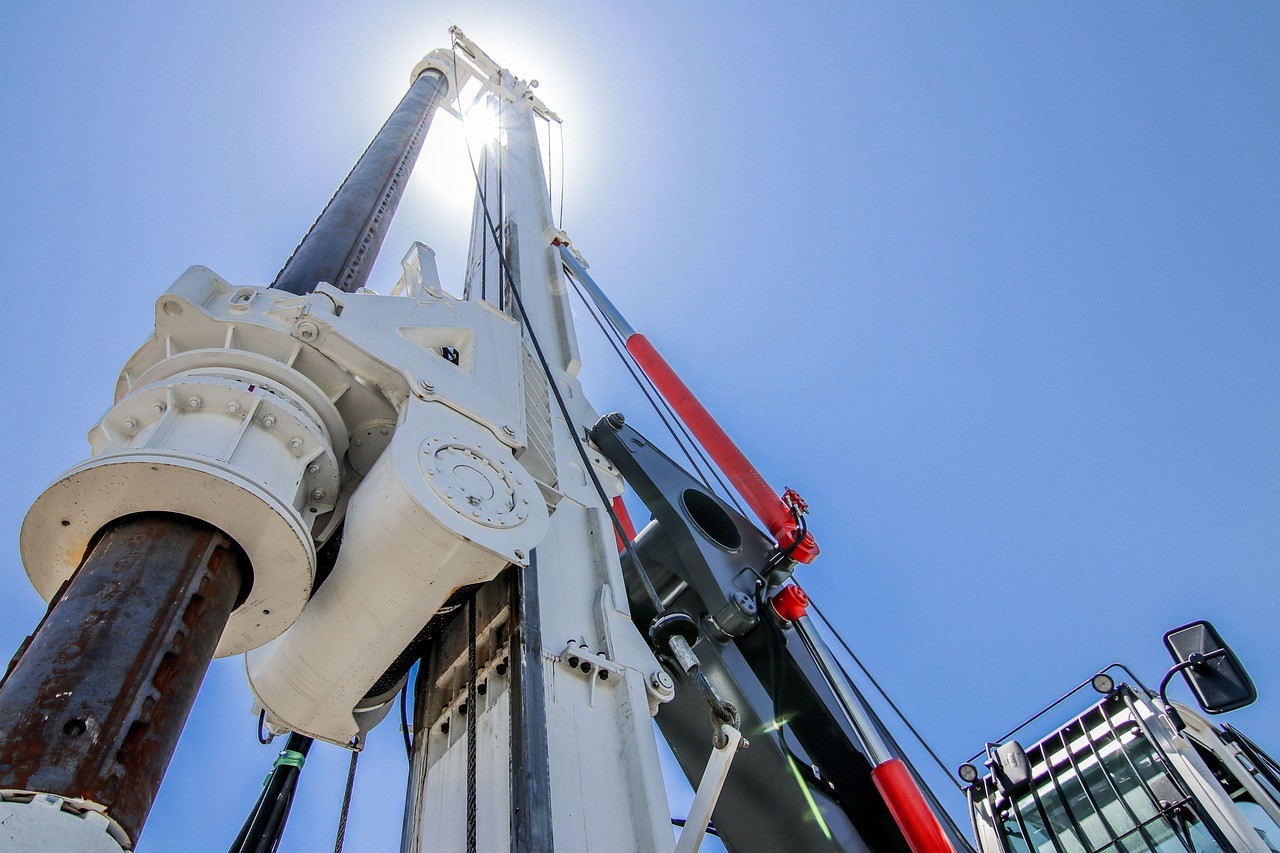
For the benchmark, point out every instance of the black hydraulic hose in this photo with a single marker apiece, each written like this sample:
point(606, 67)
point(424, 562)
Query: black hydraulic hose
point(264, 827)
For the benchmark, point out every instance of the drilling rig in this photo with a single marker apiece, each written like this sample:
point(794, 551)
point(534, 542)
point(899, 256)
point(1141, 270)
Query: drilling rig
point(372, 497)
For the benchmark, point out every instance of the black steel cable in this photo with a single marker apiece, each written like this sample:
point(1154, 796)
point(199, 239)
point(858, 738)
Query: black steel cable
point(629, 549)
point(659, 403)
point(473, 721)
point(267, 738)
point(883, 695)
point(346, 801)
point(711, 827)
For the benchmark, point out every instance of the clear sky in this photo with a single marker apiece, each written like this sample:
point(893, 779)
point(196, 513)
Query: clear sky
point(992, 284)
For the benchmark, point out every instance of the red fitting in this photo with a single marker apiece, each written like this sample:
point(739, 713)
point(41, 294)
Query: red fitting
point(790, 603)
point(801, 553)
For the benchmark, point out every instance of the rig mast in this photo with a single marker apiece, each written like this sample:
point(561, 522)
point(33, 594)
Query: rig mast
point(338, 484)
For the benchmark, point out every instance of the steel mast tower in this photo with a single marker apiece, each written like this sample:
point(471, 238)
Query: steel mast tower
point(338, 484)
point(545, 670)
point(335, 483)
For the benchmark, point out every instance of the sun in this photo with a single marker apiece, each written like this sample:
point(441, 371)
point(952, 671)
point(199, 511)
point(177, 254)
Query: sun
point(481, 124)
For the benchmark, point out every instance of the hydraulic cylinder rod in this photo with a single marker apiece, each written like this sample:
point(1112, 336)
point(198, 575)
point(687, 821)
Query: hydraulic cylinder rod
point(892, 778)
point(341, 246)
point(753, 487)
point(92, 707)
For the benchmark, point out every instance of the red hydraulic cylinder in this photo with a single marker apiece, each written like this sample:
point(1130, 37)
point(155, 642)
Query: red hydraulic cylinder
point(624, 518)
point(758, 494)
point(775, 512)
point(910, 811)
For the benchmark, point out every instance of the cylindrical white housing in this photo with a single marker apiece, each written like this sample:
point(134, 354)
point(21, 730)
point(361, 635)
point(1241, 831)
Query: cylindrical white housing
point(223, 445)
point(445, 506)
point(46, 823)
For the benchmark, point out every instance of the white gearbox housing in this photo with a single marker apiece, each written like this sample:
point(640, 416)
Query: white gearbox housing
point(277, 418)
point(446, 506)
point(205, 426)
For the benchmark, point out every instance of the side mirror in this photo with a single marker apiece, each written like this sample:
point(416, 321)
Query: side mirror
point(1212, 670)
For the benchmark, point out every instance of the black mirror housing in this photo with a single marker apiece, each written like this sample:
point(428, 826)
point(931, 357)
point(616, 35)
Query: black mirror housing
point(1220, 683)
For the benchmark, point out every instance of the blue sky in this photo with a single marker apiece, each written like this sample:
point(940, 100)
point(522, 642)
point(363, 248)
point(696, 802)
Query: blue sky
point(992, 285)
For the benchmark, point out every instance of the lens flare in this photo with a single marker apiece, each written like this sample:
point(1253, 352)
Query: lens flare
point(481, 124)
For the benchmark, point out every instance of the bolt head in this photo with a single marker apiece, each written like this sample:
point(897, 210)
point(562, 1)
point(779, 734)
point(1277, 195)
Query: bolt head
point(233, 408)
point(426, 386)
point(509, 431)
point(295, 443)
point(318, 494)
point(269, 421)
point(130, 423)
point(195, 402)
point(313, 469)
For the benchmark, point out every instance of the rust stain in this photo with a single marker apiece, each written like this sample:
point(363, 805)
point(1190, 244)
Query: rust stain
point(93, 706)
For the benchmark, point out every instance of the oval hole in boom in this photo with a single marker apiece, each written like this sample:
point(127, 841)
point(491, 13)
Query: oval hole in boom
point(710, 518)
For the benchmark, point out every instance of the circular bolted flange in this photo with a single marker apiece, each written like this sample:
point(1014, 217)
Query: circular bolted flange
point(474, 484)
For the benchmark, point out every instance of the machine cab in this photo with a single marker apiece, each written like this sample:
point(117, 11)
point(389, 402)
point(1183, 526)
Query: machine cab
point(1133, 772)
point(1116, 778)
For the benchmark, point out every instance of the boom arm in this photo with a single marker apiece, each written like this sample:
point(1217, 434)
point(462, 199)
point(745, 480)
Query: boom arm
point(812, 777)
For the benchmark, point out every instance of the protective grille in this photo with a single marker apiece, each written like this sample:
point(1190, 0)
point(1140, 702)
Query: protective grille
point(1099, 785)
point(540, 456)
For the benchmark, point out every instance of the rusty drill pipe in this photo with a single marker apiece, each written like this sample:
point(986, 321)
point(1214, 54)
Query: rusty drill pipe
point(92, 709)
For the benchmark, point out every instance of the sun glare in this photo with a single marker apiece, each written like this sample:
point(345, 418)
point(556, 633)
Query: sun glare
point(480, 124)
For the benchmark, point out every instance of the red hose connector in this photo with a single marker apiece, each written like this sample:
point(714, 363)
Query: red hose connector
point(790, 603)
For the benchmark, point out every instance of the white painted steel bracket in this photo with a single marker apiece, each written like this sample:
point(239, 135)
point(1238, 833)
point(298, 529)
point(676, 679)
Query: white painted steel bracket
point(704, 801)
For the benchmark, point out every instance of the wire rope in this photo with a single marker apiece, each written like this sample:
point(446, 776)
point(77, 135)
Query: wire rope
point(629, 546)
point(346, 801)
point(883, 694)
point(659, 403)
point(473, 723)
point(643, 388)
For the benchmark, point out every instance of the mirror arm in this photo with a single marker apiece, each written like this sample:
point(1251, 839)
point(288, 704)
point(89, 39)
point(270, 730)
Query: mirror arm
point(1194, 661)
